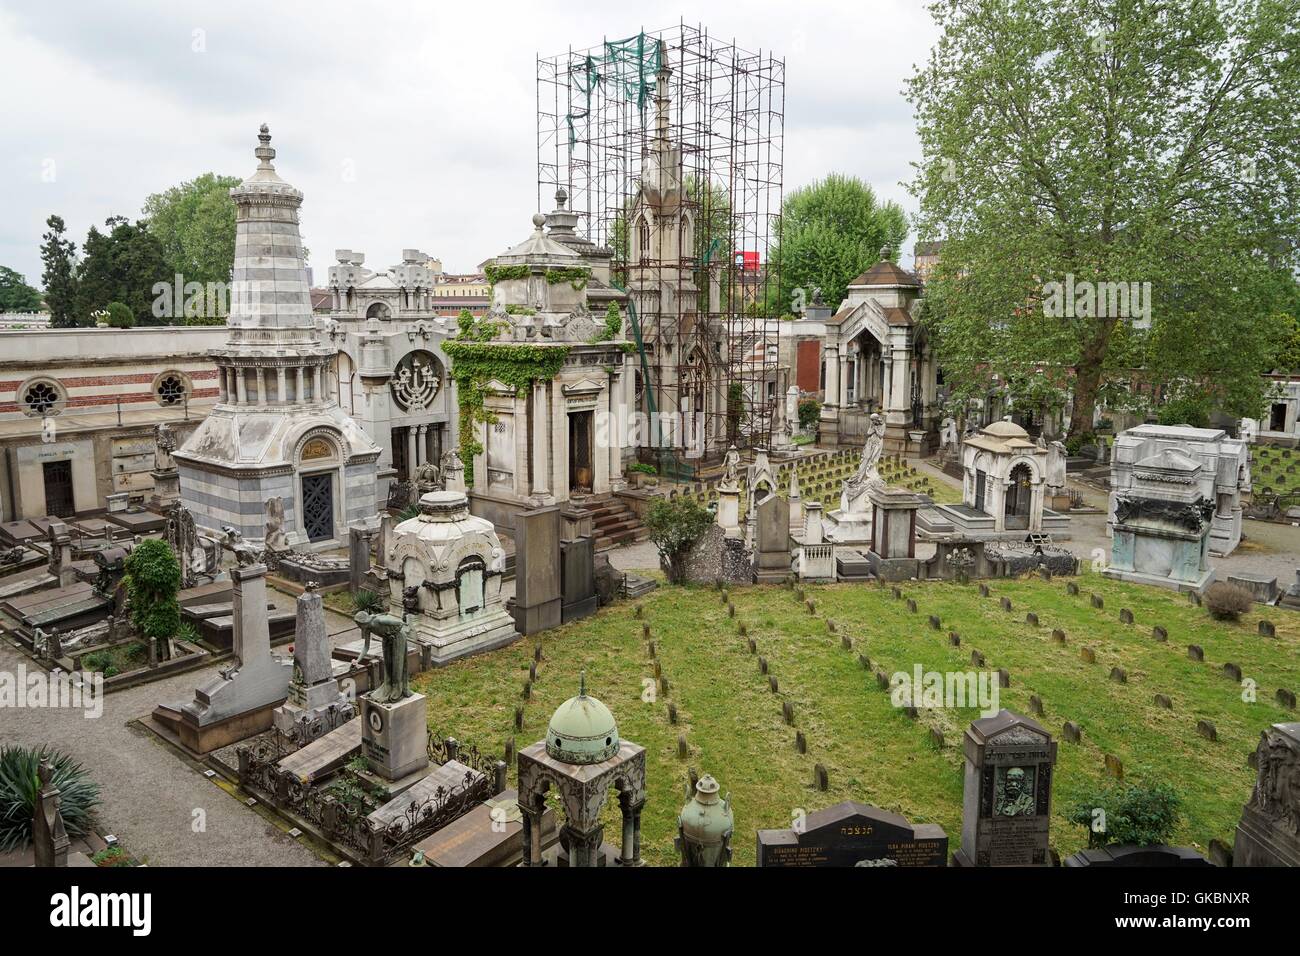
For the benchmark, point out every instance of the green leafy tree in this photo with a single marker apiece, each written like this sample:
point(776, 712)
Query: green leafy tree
point(153, 579)
point(121, 265)
point(675, 527)
point(15, 294)
point(1128, 814)
point(1133, 141)
point(831, 231)
point(119, 316)
point(194, 223)
point(59, 275)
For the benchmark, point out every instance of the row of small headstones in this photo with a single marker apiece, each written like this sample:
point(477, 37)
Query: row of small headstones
point(1071, 731)
point(526, 693)
point(847, 644)
point(1195, 652)
point(821, 776)
point(663, 685)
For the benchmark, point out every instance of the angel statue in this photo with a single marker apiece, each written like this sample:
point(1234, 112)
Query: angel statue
point(731, 466)
point(866, 477)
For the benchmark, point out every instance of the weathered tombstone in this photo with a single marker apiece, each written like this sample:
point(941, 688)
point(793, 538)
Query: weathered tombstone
point(911, 605)
point(1267, 629)
point(848, 833)
point(49, 836)
point(954, 639)
point(1160, 633)
point(1036, 705)
point(1125, 616)
point(1195, 652)
point(935, 623)
point(772, 684)
point(683, 749)
point(762, 665)
point(882, 680)
point(1194, 597)
point(1007, 803)
point(864, 662)
point(1286, 698)
point(984, 590)
point(1163, 701)
point(800, 742)
point(1232, 672)
point(1031, 619)
point(1072, 732)
point(1268, 833)
point(846, 642)
point(1005, 603)
point(315, 704)
point(821, 778)
point(1119, 675)
point(1206, 729)
point(672, 712)
point(976, 659)
point(1058, 635)
point(538, 595)
point(1114, 767)
point(1097, 600)
point(787, 713)
point(1004, 677)
point(772, 541)
point(753, 646)
point(1088, 655)
point(1071, 588)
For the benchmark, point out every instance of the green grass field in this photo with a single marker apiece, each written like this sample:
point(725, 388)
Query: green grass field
point(874, 752)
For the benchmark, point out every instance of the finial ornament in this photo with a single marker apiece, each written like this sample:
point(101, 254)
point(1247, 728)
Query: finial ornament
point(582, 684)
point(884, 252)
point(264, 152)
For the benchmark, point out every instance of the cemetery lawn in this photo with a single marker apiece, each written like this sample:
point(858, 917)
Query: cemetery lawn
point(874, 753)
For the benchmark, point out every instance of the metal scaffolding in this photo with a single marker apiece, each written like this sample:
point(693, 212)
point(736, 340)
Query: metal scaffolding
point(669, 145)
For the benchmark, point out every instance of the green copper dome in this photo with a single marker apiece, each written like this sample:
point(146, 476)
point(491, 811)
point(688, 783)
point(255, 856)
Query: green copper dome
point(582, 730)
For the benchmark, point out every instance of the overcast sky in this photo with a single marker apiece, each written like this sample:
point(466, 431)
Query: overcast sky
point(406, 124)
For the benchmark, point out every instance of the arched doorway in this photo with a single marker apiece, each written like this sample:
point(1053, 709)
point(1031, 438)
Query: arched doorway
point(1019, 493)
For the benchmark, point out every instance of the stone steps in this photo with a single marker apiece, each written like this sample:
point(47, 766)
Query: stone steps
point(614, 523)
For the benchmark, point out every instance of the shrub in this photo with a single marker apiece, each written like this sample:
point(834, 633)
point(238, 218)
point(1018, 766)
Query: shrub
point(20, 782)
point(120, 316)
point(675, 527)
point(153, 578)
point(1226, 602)
point(810, 410)
point(642, 468)
point(1193, 410)
point(1128, 814)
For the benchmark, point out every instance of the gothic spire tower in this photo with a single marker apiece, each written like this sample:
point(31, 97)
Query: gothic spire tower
point(277, 443)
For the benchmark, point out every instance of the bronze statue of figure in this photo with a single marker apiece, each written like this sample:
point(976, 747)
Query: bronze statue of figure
point(393, 634)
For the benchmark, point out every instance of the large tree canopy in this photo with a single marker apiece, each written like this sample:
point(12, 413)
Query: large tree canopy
point(831, 231)
point(195, 223)
point(1111, 141)
point(121, 265)
point(15, 294)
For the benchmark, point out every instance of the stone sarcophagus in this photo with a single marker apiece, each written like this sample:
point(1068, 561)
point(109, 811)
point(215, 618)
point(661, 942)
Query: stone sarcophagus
point(444, 570)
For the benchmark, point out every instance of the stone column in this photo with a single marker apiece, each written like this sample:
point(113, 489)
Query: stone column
point(316, 394)
point(420, 448)
point(541, 441)
point(281, 394)
point(410, 452)
point(599, 461)
point(627, 853)
point(241, 386)
point(559, 444)
point(298, 391)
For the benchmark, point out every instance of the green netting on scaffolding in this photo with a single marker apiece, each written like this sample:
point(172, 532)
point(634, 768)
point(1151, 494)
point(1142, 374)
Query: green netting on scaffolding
point(626, 68)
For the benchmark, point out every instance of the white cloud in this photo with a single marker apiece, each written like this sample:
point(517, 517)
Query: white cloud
point(431, 105)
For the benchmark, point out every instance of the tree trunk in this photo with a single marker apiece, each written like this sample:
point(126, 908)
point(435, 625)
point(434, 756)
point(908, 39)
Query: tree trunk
point(1087, 378)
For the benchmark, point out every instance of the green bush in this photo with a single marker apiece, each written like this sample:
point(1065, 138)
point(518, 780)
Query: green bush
point(642, 468)
point(1129, 815)
point(1193, 410)
point(120, 316)
point(19, 784)
point(153, 578)
point(367, 600)
point(675, 526)
point(810, 411)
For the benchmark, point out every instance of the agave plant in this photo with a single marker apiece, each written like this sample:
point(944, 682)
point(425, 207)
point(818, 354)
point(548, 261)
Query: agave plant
point(367, 601)
point(20, 783)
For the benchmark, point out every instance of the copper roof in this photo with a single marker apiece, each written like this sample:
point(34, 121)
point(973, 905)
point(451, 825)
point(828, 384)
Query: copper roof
point(887, 273)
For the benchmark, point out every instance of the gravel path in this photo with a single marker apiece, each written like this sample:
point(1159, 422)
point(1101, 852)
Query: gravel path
point(150, 793)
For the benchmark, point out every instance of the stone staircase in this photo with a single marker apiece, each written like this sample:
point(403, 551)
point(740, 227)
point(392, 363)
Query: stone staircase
point(613, 522)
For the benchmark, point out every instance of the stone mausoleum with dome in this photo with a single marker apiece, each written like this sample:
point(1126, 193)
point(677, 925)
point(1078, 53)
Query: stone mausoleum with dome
point(445, 568)
point(583, 758)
